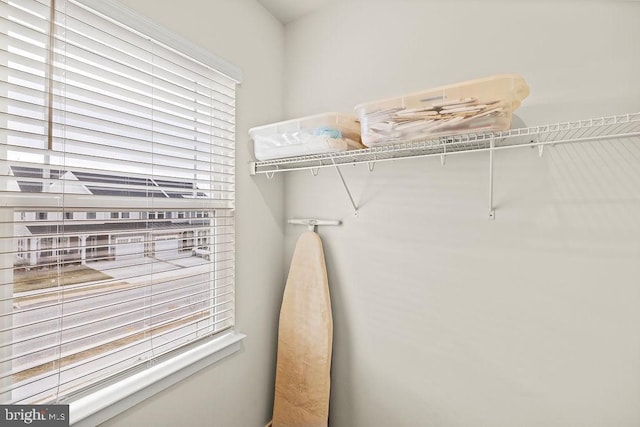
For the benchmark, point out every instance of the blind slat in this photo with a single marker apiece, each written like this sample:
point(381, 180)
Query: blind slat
point(28, 156)
point(142, 64)
point(92, 202)
point(224, 280)
point(127, 40)
point(206, 330)
point(29, 20)
point(110, 325)
point(83, 88)
point(20, 128)
point(86, 111)
point(35, 307)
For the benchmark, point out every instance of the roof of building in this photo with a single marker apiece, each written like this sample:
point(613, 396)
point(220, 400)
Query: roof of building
point(122, 185)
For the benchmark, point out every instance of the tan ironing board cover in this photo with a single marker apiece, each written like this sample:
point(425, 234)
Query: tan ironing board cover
point(305, 338)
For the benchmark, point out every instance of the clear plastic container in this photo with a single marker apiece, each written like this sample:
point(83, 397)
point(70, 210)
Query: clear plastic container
point(318, 134)
point(479, 105)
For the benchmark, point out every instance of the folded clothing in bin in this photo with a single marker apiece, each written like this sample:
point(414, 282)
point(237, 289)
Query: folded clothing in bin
point(484, 104)
point(321, 133)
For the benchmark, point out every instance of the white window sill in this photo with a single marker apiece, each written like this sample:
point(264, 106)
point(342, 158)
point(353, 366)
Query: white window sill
point(110, 401)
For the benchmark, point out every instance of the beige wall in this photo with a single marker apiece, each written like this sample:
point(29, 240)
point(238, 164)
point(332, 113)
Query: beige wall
point(237, 391)
point(442, 317)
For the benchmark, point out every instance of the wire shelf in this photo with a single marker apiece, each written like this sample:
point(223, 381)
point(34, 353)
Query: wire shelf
point(622, 126)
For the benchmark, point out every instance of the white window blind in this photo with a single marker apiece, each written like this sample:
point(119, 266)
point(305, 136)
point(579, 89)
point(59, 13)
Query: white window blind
point(117, 184)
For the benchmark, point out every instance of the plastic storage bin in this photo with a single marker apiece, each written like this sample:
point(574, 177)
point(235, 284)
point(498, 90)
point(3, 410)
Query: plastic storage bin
point(484, 104)
point(322, 133)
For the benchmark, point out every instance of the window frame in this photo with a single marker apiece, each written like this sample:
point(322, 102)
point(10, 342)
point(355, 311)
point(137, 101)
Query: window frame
point(98, 405)
point(107, 402)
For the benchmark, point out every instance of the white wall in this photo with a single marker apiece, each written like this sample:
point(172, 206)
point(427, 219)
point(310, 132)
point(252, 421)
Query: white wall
point(237, 391)
point(441, 316)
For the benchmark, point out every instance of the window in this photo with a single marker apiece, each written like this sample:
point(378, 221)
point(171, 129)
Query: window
point(102, 116)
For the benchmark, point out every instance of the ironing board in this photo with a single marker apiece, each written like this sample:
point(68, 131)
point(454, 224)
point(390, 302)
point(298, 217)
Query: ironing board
point(305, 338)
